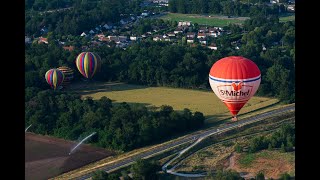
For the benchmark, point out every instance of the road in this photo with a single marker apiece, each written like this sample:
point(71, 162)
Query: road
point(202, 135)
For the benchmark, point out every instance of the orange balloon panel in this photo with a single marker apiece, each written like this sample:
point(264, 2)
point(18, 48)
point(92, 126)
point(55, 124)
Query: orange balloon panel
point(234, 80)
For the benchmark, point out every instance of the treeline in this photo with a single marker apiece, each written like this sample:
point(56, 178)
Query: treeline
point(119, 126)
point(225, 7)
point(284, 138)
point(83, 16)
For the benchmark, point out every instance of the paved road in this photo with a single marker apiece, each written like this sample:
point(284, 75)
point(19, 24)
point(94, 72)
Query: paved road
point(130, 160)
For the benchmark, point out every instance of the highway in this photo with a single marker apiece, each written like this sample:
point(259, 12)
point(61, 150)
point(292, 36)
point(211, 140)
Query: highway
point(129, 160)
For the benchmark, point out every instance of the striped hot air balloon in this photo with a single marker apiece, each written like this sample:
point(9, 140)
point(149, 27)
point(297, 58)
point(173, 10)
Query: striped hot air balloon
point(54, 78)
point(234, 80)
point(88, 64)
point(68, 75)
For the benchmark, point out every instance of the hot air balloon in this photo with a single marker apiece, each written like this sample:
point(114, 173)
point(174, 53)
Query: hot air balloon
point(234, 80)
point(88, 64)
point(54, 78)
point(68, 75)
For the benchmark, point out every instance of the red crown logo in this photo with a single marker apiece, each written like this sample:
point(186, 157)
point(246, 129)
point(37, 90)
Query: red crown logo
point(237, 87)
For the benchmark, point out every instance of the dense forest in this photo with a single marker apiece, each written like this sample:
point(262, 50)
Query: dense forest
point(225, 7)
point(119, 126)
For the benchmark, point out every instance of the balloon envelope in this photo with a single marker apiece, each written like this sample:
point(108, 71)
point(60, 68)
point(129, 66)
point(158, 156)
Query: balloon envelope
point(88, 64)
point(234, 80)
point(54, 78)
point(68, 75)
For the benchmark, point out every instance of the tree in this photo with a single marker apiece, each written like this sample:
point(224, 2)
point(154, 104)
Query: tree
point(145, 170)
point(283, 148)
point(100, 175)
point(238, 148)
point(285, 176)
point(260, 176)
point(228, 174)
point(269, 147)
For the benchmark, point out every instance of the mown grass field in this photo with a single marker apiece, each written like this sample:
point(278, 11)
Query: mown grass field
point(214, 20)
point(195, 100)
point(287, 18)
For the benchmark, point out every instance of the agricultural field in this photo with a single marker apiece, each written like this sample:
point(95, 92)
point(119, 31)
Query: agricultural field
point(203, 101)
point(210, 20)
point(46, 157)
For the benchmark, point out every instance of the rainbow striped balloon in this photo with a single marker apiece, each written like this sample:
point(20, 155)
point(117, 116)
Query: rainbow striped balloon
point(54, 78)
point(88, 64)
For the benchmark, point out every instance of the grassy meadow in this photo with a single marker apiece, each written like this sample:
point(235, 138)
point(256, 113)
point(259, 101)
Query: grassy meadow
point(195, 100)
point(213, 20)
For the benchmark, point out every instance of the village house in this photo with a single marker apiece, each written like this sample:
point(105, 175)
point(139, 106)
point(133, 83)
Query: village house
point(190, 40)
point(201, 35)
point(42, 40)
point(191, 34)
point(213, 46)
point(83, 34)
point(157, 38)
point(27, 40)
point(178, 30)
point(171, 34)
point(203, 41)
point(203, 29)
point(68, 48)
point(184, 23)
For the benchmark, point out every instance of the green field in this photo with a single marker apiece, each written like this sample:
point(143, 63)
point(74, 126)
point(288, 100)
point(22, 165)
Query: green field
point(214, 20)
point(287, 18)
point(195, 100)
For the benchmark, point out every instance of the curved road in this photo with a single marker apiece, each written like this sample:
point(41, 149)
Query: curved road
point(130, 160)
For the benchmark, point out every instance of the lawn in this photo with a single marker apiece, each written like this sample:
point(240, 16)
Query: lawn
point(287, 18)
point(213, 20)
point(195, 100)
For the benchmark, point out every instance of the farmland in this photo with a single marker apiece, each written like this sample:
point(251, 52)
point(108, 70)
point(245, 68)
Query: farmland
point(212, 20)
point(203, 101)
point(47, 157)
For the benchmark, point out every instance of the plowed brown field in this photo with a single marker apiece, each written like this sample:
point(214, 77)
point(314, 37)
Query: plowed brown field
point(47, 157)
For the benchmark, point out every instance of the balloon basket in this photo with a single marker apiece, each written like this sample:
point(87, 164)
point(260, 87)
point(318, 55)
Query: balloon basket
point(234, 118)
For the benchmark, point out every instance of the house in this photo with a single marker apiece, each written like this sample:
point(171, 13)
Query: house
point(157, 38)
point(91, 32)
point(203, 41)
point(83, 34)
point(291, 8)
point(184, 23)
point(42, 40)
point(203, 29)
point(178, 30)
point(98, 28)
point(264, 47)
point(212, 29)
point(144, 14)
point(68, 48)
point(113, 38)
point(191, 34)
point(123, 21)
point(123, 38)
point(201, 35)
point(167, 39)
point(213, 34)
point(108, 26)
point(27, 40)
point(213, 46)
point(171, 34)
point(134, 38)
point(190, 40)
